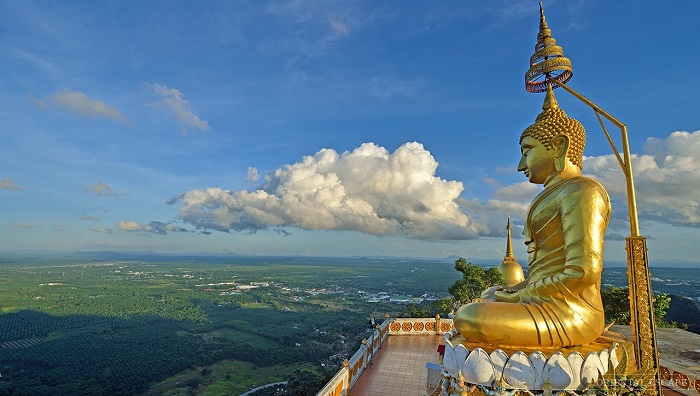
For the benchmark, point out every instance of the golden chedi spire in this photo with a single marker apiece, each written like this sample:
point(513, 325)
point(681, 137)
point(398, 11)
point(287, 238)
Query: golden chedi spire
point(509, 243)
point(510, 269)
point(547, 61)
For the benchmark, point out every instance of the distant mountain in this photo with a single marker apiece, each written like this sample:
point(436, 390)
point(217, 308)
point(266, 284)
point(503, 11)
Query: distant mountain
point(111, 255)
point(151, 255)
point(684, 310)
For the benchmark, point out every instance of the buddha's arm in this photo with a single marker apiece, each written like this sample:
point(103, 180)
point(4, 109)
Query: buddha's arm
point(507, 294)
point(585, 210)
point(584, 215)
point(519, 285)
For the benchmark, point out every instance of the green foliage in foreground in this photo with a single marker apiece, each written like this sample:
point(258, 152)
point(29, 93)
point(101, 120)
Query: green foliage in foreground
point(475, 280)
point(616, 305)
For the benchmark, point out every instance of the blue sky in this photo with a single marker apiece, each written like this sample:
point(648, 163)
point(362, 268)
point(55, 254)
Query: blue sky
point(329, 128)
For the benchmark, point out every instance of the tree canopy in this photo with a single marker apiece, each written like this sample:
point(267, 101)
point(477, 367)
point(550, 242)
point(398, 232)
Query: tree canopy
point(616, 305)
point(475, 280)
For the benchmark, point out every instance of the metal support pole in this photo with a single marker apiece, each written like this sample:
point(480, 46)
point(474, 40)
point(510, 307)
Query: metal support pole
point(641, 297)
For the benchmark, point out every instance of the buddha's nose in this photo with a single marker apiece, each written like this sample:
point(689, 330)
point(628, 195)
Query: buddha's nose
point(522, 167)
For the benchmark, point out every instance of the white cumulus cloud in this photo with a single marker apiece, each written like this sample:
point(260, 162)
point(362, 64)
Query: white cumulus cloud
point(174, 100)
point(128, 225)
point(78, 103)
point(666, 178)
point(368, 190)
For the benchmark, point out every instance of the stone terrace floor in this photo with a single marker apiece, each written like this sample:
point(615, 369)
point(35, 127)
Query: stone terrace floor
point(399, 367)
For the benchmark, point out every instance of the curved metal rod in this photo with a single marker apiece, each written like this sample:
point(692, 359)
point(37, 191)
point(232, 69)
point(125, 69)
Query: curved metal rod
point(631, 197)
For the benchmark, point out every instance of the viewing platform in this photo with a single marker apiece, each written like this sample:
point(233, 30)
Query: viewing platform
point(400, 367)
point(401, 357)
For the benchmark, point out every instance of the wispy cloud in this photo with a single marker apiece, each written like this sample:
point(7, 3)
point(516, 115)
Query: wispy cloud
point(384, 89)
point(368, 190)
point(153, 227)
point(9, 184)
point(338, 27)
point(101, 189)
point(21, 225)
point(316, 25)
point(102, 230)
point(174, 100)
point(89, 218)
point(78, 103)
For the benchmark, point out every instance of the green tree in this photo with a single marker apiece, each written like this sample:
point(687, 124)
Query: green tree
point(661, 304)
point(415, 311)
point(303, 383)
point(616, 305)
point(474, 280)
point(444, 306)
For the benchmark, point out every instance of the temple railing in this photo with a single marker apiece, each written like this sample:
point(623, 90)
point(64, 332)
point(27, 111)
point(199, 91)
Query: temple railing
point(347, 376)
point(420, 326)
point(338, 385)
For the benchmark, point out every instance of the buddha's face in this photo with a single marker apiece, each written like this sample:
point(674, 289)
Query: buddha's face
point(536, 162)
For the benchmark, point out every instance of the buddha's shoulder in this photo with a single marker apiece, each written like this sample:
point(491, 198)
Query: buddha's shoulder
point(581, 184)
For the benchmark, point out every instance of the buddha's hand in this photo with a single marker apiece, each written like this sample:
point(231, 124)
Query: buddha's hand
point(490, 293)
point(507, 295)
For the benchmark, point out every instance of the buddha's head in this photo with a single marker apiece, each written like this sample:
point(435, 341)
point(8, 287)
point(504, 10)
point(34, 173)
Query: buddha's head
point(552, 143)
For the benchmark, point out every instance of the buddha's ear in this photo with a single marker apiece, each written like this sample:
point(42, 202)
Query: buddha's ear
point(560, 144)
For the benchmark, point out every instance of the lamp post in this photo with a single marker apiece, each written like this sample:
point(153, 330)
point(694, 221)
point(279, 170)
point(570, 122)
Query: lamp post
point(548, 66)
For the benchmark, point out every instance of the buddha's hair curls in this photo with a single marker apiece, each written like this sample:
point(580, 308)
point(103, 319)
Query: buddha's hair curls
point(552, 122)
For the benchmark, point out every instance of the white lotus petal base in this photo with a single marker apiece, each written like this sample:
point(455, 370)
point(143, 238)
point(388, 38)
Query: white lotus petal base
point(506, 368)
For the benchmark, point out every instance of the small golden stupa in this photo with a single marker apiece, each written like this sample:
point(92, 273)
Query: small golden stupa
point(511, 270)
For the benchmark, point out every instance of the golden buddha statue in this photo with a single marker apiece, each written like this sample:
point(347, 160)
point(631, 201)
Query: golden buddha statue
point(559, 303)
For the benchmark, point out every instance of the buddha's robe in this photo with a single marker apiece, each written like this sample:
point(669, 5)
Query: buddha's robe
point(559, 303)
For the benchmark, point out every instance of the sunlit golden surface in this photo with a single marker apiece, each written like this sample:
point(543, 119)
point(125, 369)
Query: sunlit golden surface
point(559, 304)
